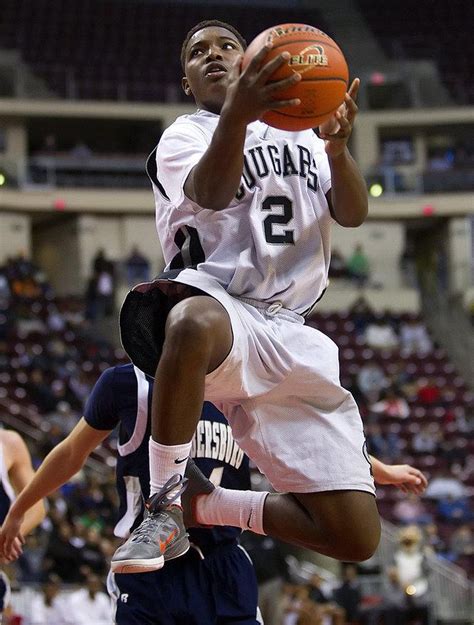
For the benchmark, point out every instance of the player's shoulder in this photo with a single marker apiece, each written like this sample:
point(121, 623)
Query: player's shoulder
point(114, 378)
point(199, 123)
point(10, 438)
point(14, 447)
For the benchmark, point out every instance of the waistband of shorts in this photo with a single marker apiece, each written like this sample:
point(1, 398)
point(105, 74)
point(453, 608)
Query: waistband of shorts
point(273, 309)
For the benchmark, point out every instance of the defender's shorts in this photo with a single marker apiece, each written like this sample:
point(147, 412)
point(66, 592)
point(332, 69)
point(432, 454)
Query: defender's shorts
point(278, 387)
point(221, 588)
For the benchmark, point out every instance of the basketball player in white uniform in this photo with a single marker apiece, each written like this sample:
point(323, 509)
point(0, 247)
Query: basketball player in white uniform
point(244, 214)
point(15, 473)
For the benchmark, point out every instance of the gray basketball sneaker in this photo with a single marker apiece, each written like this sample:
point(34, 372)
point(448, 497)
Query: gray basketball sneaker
point(198, 484)
point(161, 536)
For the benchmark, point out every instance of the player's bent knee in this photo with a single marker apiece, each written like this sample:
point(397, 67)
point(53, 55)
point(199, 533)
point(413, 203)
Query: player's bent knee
point(197, 324)
point(363, 547)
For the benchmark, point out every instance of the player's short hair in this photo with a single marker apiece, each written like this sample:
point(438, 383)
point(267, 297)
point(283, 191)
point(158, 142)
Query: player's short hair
point(208, 24)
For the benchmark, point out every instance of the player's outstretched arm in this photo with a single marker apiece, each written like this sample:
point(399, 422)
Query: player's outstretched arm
point(64, 461)
point(348, 196)
point(20, 472)
point(403, 476)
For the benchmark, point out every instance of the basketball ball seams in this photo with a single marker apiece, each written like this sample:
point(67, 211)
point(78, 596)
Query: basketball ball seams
point(300, 115)
point(279, 44)
point(320, 79)
point(323, 69)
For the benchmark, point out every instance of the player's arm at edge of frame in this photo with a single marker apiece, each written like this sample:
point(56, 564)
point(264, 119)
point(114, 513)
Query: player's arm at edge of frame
point(59, 466)
point(20, 472)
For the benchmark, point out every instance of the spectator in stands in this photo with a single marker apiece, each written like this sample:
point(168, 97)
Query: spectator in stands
point(392, 404)
point(81, 151)
point(462, 541)
point(444, 485)
point(337, 265)
point(50, 606)
point(91, 604)
point(105, 293)
point(453, 452)
point(49, 146)
point(100, 262)
point(40, 391)
point(433, 541)
point(410, 510)
point(358, 266)
point(64, 555)
point(408, 265)
point(384, 446)
point(100, 292)
point(371, 380)
point(297, 608)
point(55, 320)
point(394, 607)
point(455, 509)
point(379, 335)
point(427, 440)
point(348, 595)
point(410, 563)
point(414, 337)
point(361, 314)
point(90, 297)
point(428, 392)
point(352, 386)
point(4, 286)
point(327, 609)
point(137, 266)
point(64, 417)
point(30, 564)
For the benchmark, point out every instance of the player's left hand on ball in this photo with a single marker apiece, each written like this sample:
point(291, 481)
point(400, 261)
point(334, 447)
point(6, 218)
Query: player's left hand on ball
point(337, 130)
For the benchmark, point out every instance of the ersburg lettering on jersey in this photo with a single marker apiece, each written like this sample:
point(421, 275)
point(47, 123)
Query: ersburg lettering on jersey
point(259, 161)
point(214, 440)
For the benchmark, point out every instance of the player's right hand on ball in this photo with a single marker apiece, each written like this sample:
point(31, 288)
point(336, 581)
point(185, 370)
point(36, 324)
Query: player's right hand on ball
point(249, 94)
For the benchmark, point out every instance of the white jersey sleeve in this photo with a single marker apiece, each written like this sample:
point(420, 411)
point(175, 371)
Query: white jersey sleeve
point(181, 148)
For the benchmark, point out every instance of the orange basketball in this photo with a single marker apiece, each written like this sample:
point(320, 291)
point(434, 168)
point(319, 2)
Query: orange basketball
point(323, 69)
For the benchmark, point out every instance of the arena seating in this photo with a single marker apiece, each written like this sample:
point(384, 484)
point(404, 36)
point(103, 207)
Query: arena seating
point(428, 29)
point(109, 50)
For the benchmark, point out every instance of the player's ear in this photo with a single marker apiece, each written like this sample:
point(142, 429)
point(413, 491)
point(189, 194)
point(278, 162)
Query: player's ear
point(185, 86)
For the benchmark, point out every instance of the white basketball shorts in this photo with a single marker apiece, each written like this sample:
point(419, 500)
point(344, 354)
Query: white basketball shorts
point(280, 391)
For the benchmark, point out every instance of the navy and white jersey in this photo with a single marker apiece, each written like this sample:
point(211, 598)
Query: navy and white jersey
point(7, 494)
point(122, 397)
point(272, 243)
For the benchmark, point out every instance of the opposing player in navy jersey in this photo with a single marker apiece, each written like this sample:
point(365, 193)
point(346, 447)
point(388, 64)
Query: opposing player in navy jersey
point(214, 582)
point(15, 473)
point(244, 214)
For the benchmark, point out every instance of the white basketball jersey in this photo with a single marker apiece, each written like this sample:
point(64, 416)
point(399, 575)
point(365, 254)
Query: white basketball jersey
point(272, 243)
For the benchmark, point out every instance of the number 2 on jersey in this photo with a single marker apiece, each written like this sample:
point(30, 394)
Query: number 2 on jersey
point(279, 219)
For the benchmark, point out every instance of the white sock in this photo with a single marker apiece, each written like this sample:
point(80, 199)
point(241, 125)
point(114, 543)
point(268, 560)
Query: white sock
point(166, 461)
point(238, 508)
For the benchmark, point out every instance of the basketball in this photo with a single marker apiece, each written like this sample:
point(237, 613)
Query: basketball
point(323, 69)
